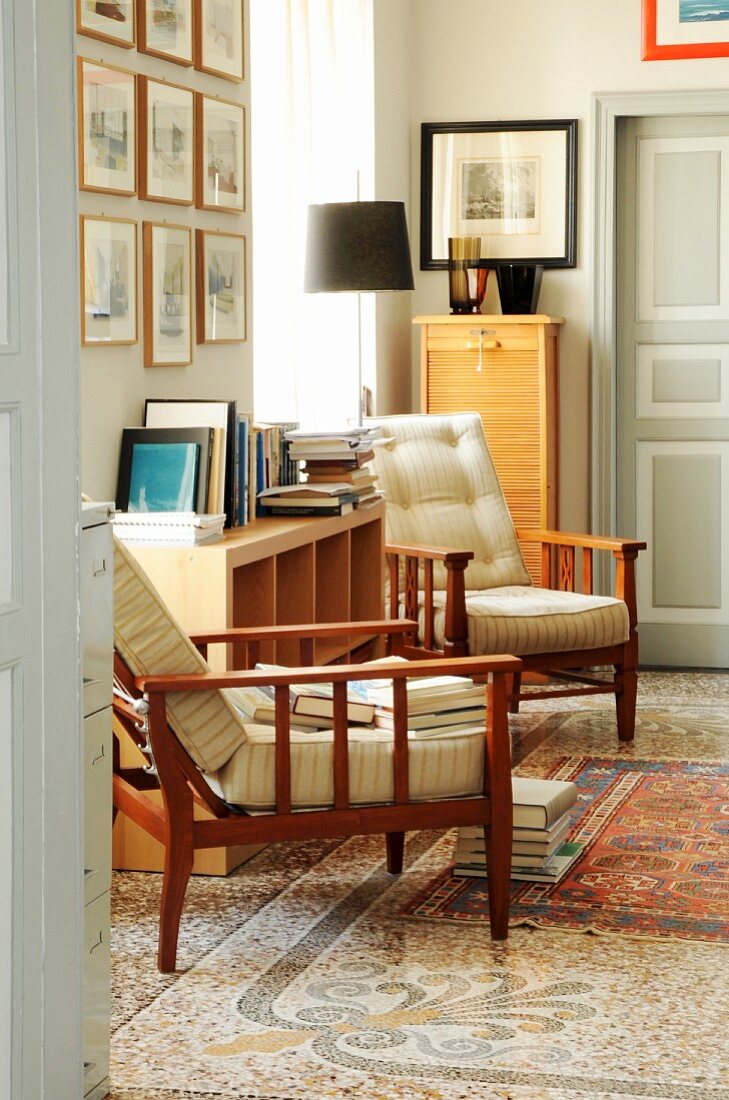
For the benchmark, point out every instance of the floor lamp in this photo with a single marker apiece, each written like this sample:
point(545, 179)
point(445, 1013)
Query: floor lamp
point(355, 247)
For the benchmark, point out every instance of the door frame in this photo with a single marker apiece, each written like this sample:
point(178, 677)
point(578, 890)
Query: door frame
point(607, 109)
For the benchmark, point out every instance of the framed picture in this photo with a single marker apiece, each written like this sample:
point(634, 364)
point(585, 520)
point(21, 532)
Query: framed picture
point(166, 119)
point(221, 287)
point(108, 280)
point(107, 128)
point(109, 20)
point(167, 288)
point(685, 28)
point(165, 29)
point(219, 38)
point(164, 469)
point(513, 184)
point(220, 154)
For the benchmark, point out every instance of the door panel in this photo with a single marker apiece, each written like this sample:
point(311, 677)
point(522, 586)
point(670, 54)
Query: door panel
point(673, 381)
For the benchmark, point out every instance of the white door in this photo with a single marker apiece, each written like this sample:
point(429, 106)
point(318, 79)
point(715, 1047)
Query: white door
point(672, 397)
point(40, 862)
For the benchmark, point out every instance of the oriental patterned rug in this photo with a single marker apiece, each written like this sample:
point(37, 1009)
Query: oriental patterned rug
point(655, 861)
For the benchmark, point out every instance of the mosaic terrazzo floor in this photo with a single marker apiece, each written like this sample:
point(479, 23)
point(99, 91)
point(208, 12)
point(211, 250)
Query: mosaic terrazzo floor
point(299, 978)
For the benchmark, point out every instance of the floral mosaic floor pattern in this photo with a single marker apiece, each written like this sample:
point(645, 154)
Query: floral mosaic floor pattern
point(299, 977)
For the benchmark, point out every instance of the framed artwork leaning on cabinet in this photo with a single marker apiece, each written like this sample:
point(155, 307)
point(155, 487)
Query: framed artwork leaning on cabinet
point(164, 29)
point(166, 123)
point(220, 287)
point(219, 38)
point(219, 154)
point(107, 20)
point(167, 294)
point(107, 128)
point(108, 249)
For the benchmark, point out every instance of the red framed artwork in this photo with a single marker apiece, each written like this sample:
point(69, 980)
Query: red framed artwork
point(685, 28)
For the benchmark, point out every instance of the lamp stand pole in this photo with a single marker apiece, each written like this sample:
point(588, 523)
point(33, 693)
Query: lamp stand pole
point(360, 391)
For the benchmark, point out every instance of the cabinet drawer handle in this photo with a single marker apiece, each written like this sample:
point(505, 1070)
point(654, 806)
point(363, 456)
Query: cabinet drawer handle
point(99, 756)
point(99, 568)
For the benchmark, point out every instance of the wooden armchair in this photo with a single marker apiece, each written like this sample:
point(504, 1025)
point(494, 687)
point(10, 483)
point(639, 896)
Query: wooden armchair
point(455, 567)
point(258, 782)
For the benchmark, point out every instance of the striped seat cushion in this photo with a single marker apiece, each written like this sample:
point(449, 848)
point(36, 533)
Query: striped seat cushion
point(521, 619)
point(440, 767)
point(150, 641)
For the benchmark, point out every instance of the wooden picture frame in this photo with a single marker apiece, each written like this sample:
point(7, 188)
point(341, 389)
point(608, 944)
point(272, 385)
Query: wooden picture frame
point(107, 128)
point(167, 294)
point(108, 248)
point(684, 28)
point(166, 141)
point(513, 184)
point(165, 29)
point(220, 298)
point(220, 156)
point(219, 38)
point(108, 20)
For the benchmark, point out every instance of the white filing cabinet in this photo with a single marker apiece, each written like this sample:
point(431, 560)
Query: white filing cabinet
point(97, 636)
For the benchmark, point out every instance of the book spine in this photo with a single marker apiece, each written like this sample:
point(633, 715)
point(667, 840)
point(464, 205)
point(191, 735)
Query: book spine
point(305, 510)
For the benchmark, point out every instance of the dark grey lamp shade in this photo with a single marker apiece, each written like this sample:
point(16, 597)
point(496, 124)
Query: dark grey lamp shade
point(354, 246)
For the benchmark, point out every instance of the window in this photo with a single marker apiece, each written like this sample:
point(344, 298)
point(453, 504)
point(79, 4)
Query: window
point(312, 140)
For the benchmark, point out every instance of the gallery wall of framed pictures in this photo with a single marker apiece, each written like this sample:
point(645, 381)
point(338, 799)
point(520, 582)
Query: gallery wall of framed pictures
point(162, 120)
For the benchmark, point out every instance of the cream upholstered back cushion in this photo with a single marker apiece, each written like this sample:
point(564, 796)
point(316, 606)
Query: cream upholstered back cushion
point(441, 489)
point(150, 641)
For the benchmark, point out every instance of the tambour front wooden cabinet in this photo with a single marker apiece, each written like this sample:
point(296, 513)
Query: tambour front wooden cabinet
point(504, 367)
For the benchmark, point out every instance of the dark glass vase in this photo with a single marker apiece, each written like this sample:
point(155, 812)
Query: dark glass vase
point(519, 286)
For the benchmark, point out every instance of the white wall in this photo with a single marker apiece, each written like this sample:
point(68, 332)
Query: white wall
point(114, 380)
point(484, 60)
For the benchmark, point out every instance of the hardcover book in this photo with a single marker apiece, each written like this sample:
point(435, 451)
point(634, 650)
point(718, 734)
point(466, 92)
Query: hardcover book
point(164, 469)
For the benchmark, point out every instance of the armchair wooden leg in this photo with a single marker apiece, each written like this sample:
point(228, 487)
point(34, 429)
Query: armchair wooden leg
point(178, 867)
point(514, 694)
point(626, 682)
point(395, 843)
point(498, 862)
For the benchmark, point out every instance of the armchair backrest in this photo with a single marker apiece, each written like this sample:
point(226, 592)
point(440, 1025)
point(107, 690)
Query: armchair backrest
point(150, 641)
point(441, 489)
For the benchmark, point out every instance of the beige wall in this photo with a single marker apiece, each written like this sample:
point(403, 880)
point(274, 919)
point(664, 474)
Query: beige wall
point(435, 61)
point(484, 60)
point(114, 381)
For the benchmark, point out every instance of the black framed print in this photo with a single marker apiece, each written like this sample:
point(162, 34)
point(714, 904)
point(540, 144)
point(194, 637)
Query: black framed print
point(513, 184)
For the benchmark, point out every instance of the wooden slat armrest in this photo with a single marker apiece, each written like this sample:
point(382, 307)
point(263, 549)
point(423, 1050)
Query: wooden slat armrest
point(395, 670)
point(434, 553)
point(565, 538)
point(307, 630)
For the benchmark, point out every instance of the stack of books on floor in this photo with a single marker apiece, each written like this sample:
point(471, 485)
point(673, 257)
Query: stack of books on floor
point(338, 478)
point(540, 851)
point(177, 528)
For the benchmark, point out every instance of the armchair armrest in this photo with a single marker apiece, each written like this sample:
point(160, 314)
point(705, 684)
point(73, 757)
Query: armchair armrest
point(305, 633)
point(625, 552)
point(455, 562)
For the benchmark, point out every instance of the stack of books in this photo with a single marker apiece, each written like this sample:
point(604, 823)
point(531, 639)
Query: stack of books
point(178, 528)
point(311, 705)
point(438, 706)
point(338, 478)
point(540, 851)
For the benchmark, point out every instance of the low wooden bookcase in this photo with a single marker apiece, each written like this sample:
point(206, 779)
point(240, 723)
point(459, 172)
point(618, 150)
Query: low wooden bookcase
point(274, 571)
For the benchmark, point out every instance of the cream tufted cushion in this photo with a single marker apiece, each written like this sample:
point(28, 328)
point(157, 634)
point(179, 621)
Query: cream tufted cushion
point(441, 489)
point(522, 620)
point(440, 767)
point(150, 640)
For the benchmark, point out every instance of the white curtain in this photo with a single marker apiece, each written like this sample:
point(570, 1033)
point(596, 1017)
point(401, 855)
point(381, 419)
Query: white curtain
point(312, 142)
